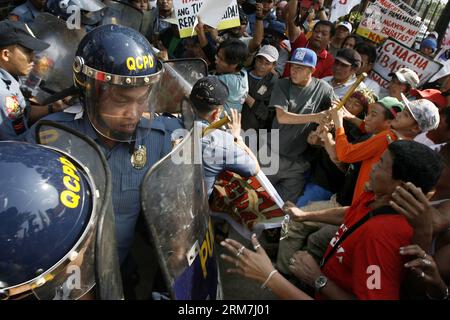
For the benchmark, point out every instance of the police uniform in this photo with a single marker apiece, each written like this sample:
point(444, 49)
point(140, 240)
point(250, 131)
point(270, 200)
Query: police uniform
point(126, 179)
point(12, 102)
point(221, 153)
point(25, 12)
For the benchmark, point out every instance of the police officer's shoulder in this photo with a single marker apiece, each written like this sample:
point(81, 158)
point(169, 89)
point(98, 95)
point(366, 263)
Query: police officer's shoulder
point(167, 123)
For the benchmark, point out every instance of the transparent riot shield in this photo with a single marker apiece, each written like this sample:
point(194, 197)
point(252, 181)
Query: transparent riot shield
point(107, 271)
point(120, 12)
point(52, 71)
point(175, 206)
point(176, 84)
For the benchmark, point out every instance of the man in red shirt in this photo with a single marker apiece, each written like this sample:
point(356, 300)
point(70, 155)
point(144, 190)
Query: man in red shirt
point(323, 31)
point(363, 261)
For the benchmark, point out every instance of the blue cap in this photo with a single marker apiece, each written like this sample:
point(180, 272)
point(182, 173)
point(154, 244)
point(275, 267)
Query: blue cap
point(304, 57)
point(429, 43)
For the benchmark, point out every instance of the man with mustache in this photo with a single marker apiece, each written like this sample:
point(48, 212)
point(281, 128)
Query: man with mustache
point(17, 47)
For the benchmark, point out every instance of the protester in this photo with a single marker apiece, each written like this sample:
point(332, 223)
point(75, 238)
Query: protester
point(358, 245)
point(297, 101)
point(346, 63)
point(343, 30)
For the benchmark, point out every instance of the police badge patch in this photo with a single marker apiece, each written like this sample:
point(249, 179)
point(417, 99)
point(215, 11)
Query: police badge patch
point(139, 157)
point(13, 110)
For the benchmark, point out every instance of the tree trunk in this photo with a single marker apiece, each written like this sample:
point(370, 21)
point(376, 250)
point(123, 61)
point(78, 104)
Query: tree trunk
point(442, 23)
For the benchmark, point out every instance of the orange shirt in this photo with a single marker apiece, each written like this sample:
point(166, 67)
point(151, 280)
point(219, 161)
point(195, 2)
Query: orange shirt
point(367, 152)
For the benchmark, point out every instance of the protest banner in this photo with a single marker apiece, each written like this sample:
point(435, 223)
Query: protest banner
point(341, 8)
point(398, 6)
point(384, 19)
point(393, 55)
point(217, 14)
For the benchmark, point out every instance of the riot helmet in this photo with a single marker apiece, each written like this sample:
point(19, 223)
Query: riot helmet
point(47, 223)
point(116, 68)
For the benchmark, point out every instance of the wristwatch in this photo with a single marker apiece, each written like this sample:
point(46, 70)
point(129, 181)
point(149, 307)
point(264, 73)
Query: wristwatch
point(320, 282)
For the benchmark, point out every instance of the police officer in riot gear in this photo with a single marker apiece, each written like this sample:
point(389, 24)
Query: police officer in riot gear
point(115, 70)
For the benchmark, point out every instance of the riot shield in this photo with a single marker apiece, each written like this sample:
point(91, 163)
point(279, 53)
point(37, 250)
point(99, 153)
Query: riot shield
point(175, 206)
point(176, 84)
point(120, 12)
point(87, 152)
point(52, 71)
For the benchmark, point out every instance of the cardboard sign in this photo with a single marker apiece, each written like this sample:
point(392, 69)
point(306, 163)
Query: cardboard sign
point(384, 19)
point(218, 14)
point(341, 8)
point(398, 6)
point(394, 55)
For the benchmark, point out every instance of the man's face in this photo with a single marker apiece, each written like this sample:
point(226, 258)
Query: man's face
point(395, 87)
point(381, 182)
point(140, 5)
point(221, 65)
point(320, 38)
point(342, 71)
point(341, 32)
point(375, 121)
point(281, 10)
point(20, 60)
point(121, 108)
point(350, 43)
point(354, 106)
point(426, 51)
point(442, 133)
point(404, 120)
point(262, 66)
point(267, 6)
point(165, 5)
point(300, 75)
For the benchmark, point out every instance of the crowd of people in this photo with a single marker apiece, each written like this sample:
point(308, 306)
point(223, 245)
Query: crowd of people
point(363, 175)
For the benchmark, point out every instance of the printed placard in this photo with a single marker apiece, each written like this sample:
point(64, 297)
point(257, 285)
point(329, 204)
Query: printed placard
point(218, 14)
point(393, 55)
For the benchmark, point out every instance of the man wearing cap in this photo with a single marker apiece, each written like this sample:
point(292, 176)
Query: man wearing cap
point(261, 79)
point(221, 150)
point(441, 135)
point(347, 62)
point(17, 46)
point(428, 46)
point(402, 81)
point(343, 29)
point(298, 101)
point(323, 31)
point(27, 11)
point(418, 116)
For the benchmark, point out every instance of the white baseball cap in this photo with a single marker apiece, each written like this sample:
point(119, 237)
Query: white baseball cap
point(269, 52)
point(424, 112)
point(347, 25)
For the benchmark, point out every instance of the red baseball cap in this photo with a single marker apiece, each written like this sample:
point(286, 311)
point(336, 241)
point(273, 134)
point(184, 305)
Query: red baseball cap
point(432, 95)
